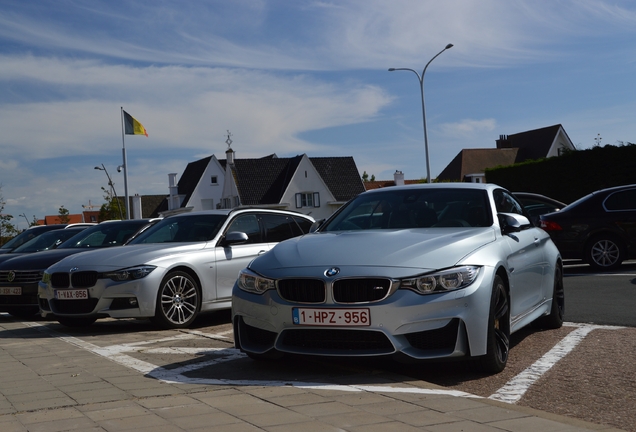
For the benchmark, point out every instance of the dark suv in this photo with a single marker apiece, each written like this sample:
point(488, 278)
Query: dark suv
point(599, 228)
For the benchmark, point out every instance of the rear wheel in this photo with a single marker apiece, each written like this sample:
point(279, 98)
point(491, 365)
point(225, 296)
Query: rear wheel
point(555, 319)
point(604, 252)
point(498, 343)
point(178, 301)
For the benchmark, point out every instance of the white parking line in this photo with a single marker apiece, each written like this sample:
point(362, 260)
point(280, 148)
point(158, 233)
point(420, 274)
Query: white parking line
point(514, 389)
point(512, 392)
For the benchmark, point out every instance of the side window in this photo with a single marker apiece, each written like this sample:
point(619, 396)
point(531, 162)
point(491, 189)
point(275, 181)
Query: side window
point(505, 203)
point(279, 227)
point(623, 200)
point(249, 225)
point(304, 224)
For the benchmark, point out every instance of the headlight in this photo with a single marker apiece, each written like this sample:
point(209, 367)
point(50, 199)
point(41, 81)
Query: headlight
point(46, 278)
point(443, 281)
point(130, 273)
point(251, 282)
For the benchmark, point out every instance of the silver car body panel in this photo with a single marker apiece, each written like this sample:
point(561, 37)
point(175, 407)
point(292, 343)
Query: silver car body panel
point(526, 259)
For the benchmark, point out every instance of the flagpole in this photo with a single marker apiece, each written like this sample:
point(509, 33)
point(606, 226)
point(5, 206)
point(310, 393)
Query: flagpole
point(123, 150)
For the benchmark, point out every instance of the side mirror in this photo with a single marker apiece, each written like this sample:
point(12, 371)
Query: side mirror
point(314, 226)
point(235, 237)
point(512, 222)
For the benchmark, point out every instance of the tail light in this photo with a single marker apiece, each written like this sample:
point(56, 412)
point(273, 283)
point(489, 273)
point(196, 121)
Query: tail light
point(550, 226)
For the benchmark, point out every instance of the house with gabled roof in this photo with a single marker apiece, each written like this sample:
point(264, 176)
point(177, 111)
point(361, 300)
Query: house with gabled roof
point(470, 164)
point(316, 186)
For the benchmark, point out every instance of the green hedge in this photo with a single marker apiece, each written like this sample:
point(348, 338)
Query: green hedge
point(572, 175)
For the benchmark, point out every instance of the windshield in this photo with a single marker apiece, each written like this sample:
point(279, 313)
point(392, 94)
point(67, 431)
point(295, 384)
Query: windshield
point(47, 240)
point(414, 208)
point(105, 234)
point(25, 236)
point(183, 228)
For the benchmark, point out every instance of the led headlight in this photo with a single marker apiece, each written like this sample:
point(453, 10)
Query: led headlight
point(130, 273)
point(251, 282)
point(442, 281)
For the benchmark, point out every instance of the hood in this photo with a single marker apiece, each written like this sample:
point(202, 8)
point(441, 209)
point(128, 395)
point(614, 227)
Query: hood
point(415, 248)
point(37, 260)
point(125, 256)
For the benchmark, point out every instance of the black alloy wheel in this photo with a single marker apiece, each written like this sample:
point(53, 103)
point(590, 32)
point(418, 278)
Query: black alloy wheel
point(498, 343)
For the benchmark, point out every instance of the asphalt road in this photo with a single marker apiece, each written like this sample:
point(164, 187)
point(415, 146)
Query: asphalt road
point(601, 298)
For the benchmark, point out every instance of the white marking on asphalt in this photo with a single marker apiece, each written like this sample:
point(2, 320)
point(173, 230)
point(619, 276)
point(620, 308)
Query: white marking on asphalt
point(510, 393)
point(514, 389)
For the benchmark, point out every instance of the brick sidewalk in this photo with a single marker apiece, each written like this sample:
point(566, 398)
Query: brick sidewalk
point(48, 385)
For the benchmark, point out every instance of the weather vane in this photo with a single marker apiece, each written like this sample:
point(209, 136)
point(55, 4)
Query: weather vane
point(228, 141)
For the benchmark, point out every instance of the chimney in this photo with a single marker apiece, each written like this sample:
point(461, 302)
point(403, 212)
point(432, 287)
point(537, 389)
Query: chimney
point(503, 142)
point(398, 178)
point(229, 156)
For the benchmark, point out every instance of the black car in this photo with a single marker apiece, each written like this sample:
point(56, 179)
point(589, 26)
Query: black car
point(19, 276)
point(45, 241)
point(599, 228)
point(27, 235)
point(537, 204)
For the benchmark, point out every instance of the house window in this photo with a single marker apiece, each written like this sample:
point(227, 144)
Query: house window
point(307, 199)
point(214, 180)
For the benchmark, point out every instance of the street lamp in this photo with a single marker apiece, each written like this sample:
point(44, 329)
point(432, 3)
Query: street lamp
point(112, 186)
point(421, 79)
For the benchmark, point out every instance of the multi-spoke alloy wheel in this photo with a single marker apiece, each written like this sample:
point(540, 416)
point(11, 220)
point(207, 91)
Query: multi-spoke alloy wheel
point(604, 253)
point(498, 343)
point(178, 301)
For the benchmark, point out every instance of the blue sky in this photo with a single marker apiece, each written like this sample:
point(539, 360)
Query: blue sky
point(293, 77)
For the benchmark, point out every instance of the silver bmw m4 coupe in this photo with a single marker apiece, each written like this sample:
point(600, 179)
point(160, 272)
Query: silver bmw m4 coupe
point(419, 272)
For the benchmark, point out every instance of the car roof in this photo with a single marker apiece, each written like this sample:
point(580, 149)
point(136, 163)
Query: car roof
point(479, 186)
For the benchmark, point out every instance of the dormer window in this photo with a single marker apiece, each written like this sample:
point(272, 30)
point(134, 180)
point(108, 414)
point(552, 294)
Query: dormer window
point(307, 199)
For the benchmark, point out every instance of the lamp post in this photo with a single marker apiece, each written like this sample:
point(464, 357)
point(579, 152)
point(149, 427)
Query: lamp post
point(421, 80)
point(112, 186)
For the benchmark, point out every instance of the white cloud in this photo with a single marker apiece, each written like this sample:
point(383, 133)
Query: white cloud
point(467, 128)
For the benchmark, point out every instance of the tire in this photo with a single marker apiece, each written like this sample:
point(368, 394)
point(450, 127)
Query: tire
point(498, 339)
point(178, 301)
point(76, 322)
point(604, 252)
point(555, 319)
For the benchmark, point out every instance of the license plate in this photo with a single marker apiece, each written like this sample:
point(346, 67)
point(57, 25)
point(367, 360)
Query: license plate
point(71, 294)
point(331, 317)
point(11, 291)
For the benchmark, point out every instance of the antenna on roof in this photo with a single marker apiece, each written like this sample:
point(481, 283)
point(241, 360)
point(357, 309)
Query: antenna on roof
point(228, 141)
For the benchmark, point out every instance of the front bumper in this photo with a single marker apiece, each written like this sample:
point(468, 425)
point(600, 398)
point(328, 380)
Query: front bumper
point(433, 326)
point(106, 298)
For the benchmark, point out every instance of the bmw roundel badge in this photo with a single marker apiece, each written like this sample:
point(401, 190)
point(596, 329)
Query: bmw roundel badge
point(332, 271)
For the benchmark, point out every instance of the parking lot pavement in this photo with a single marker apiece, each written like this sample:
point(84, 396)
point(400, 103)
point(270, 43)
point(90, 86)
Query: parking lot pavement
point(51, 380)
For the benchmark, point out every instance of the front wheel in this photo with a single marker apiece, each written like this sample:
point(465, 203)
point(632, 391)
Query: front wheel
point(604, 252)
point(498, 339)
point(178, 301)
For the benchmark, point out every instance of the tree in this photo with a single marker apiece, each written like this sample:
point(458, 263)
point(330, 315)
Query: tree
point(365, 177)
point(7, 230)
point(112, 208)
point(63, 215)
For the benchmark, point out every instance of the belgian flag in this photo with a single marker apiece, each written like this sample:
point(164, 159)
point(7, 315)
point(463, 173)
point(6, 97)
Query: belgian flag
point(132, 126)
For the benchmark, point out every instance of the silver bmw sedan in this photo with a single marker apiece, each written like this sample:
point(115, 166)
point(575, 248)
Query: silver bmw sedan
point(419, 272)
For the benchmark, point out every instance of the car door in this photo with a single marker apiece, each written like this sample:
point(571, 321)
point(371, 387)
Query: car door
point(526, 259)
point(230, 259)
